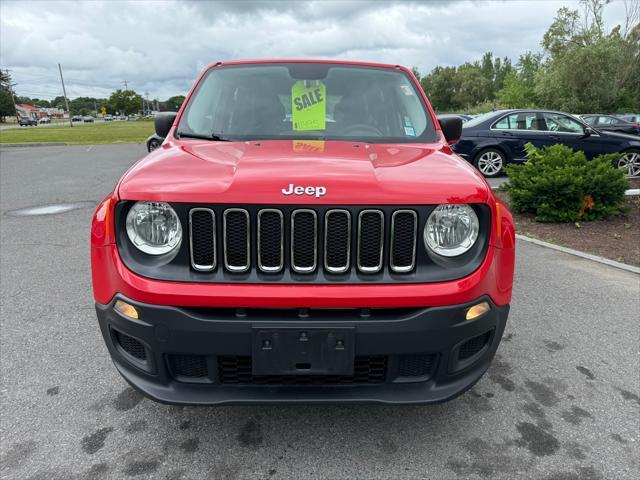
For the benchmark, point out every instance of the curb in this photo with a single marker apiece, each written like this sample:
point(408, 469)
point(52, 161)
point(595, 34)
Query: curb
point(44, 144)
point(577, 253)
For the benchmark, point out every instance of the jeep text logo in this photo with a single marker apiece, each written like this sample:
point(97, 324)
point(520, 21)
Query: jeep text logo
point(317, 191)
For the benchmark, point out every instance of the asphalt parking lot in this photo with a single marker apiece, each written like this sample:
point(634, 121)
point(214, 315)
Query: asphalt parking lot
point(561, 401)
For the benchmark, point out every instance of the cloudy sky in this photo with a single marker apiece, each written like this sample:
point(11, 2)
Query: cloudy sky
point(160, 47)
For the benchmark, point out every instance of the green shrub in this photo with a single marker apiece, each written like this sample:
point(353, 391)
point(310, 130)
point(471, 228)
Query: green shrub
point(557, 184)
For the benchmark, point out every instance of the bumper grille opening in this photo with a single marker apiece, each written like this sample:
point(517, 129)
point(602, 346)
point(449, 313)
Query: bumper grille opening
point(189, 366)
point(472, 346)
point(130, 345)
point(237, 370)
point(420, 365)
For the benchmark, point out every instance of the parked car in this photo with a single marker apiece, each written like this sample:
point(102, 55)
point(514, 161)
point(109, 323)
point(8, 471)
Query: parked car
point(154, 141)
point(610, 123)
point(108, 118)
point(256, 260)
point(27, 122)
point(87, 119)
point(492, 140)
point(76, 118)
point(631, 117)
point(44, 120)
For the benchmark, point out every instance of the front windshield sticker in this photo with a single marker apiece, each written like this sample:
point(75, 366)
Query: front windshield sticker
point(409, 131)
point(308, 105)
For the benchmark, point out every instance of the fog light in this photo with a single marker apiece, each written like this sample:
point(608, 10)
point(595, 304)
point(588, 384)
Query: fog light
point(478, 310)
point(126, 309)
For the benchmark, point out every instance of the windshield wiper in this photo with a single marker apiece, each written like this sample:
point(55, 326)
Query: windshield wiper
point(212, 137)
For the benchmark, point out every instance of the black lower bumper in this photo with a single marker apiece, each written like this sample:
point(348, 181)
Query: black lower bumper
point(204, 356)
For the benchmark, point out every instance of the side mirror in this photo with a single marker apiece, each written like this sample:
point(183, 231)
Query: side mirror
point(588, 131)
point(451, 128)
point(163, 123)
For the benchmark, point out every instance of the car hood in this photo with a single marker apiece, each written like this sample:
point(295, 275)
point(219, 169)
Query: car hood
point(621, 136)
point(258, 172)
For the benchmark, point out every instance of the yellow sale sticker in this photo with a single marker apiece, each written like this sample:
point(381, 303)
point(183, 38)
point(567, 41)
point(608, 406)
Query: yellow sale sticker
point(308, 105)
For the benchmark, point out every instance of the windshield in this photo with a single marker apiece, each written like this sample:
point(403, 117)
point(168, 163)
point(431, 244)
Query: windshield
point(309, 101)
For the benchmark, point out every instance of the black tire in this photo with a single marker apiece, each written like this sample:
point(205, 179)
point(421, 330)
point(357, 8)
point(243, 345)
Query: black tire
point(490, 162)
point(630, 162)
point(152, 145)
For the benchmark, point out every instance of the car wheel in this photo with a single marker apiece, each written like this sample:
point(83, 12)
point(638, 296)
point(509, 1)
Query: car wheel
point(630, 163)
point(153, 144)
point(490, 162)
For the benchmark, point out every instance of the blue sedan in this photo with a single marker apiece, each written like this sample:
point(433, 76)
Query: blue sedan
point(497, 138)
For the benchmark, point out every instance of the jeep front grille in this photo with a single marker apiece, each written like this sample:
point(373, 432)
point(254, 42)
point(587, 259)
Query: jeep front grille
point(304, 240)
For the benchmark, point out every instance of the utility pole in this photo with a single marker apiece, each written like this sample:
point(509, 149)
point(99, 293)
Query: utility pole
point(95, 107)
point(126, 86)
point(13, 98)
point(64, 91)
point(146, 94)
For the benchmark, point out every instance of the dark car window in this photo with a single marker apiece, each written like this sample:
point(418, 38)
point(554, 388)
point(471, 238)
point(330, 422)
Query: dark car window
point(308, 100)
point(519, 121)
point(604, 120)
point(557, 122)
point(590, 120)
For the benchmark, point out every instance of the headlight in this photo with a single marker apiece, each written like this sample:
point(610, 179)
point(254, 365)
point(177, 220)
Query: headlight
point(451, 230)
point(154, 227)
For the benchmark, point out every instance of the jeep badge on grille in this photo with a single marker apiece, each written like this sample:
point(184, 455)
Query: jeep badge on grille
point(298, 190)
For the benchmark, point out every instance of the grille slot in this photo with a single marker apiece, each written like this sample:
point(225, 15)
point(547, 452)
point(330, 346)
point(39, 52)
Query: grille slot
point(237, 370)
point(404, 229)
point(202, 238)
point(131, 346)
point(370, 241)
point(189, 366)
point(270, 240)
point(304, 241)
point(337, 241)
point(236, 240)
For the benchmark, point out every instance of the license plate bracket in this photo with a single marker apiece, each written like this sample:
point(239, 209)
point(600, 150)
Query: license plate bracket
point(302, 351)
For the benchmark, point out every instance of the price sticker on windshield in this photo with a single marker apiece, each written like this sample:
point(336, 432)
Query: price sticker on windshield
point(308, 105)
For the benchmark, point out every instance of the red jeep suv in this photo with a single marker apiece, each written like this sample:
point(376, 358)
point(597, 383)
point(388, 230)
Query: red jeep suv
point(303, 234)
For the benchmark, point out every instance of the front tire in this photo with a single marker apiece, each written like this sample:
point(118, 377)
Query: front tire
point(153, 144)
point(630, 163)
point(490, 162)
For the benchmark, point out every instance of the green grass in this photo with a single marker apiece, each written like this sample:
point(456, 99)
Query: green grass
point(81, 134)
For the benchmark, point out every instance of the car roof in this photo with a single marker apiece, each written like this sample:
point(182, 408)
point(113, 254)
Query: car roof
point(324, 61)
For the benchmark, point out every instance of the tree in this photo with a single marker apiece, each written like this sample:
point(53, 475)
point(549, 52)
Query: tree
point(174, 103)
point(125, 102)
point(441, 86)
point(607, 63)
point(6, 102)
point(514, 92)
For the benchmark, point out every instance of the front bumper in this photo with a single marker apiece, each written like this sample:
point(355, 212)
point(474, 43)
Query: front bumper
point(412, 335)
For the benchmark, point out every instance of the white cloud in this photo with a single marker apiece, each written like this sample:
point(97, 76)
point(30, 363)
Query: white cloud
point(160, 47)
